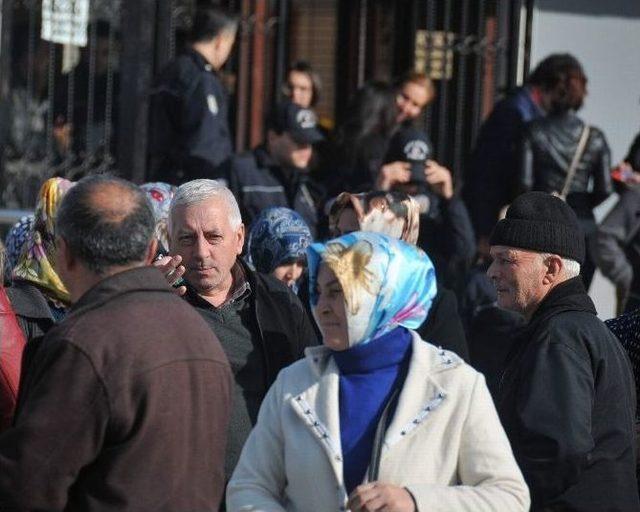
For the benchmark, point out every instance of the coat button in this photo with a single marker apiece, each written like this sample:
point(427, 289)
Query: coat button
point(308, 411)
point(316, 424)
point(338, 458)
point(403, 433)
point(298, 398)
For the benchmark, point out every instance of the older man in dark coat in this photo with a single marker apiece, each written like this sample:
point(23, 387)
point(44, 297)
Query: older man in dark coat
point(125, 404)
point(566, 397)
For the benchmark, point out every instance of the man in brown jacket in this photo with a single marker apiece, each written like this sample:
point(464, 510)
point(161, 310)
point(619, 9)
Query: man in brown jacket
point(125, 404)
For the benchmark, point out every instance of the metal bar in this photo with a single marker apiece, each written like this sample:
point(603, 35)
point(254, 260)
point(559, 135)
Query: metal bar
point(91, 94)
point(461, 83)
point(257, 73)
point(362, 42)
point(136, 76)
point(108, 108)
point(476, 120)
point(51, 92)
point(242, 100)
point(429, 124)
point(444, 90)
point(164, 33)
point(502, 18)
point(281, 46)
point(6, 10)
point(514, 43)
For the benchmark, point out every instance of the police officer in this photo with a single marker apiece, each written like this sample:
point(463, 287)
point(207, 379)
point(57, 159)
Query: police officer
point(276, 173)
point(190, 135)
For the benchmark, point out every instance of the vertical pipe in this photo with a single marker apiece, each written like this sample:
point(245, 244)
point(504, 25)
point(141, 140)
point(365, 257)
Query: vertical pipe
point(257, 73)
point(242, 98)
point(362, 42)
point(93, 46)
point(50, 93)
point(431, 26)
point(281, 46)
point(6, 11)
point(477, 73)
point(443, 102)
point(461, 95)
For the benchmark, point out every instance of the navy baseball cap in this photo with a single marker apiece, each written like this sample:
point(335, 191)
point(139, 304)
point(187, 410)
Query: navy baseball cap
point(409, 145)
point(300, 123)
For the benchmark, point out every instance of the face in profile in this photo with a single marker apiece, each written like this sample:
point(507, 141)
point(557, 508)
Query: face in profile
point(330, 310)
point(518, 278)
point(300, 88)
point(209, 245)
point(411, 100)
point(289, 272)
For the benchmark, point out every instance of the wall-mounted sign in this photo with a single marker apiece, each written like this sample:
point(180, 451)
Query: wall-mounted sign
point(65, 21)
point(434, 54)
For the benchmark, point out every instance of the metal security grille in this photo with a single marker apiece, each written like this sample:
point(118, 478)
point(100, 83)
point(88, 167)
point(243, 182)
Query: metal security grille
point(58, 101)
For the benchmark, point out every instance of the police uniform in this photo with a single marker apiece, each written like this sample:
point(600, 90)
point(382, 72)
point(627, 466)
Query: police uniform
point(190, 136)
point(258, 182)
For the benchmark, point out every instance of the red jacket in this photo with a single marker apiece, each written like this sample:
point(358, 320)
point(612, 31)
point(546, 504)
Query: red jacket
point(12, 342)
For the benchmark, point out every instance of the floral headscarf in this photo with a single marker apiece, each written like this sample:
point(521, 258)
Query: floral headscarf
point(393, 213)
point(386, 282)
point(160, 195)
point(277, 235)
point(37, 260)
point(14, 242)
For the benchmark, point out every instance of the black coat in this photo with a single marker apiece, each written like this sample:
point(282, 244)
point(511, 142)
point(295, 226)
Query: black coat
point(567, 402)
point(258, 182)
point(189, 128)
point(443, 326)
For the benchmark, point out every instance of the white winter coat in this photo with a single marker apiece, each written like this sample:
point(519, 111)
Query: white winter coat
point(445, 442)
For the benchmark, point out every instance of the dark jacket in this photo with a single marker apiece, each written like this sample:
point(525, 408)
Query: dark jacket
point(567, 403)
point(31, 309)
point(258, 183)
point(633, 156)
point(617, 245)
point(189, 127)
point(547, 150)
point(443, 326)
point(490, 182)
point(124, 407)
point(284, 327)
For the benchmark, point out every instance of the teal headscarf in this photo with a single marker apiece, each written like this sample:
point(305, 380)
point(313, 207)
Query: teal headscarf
point(386, 282)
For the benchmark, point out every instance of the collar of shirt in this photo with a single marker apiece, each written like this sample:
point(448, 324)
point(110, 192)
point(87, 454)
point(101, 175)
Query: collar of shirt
point(240, 290)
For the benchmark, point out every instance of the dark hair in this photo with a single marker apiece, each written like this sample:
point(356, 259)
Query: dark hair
point(209, 23)
point(561, 76)
point(302, 66)
point(103, 237)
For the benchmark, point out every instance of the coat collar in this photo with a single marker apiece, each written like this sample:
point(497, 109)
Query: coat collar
point(422, 393)
point(146, 278)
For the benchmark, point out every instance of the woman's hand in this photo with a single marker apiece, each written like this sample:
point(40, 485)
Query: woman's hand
point(392, 173)
point(439, 177)
point(172, 270)
point(380, 496)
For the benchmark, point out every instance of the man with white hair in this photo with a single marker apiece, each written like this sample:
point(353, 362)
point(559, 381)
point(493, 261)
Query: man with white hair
point(260, 323)
point(566, 397)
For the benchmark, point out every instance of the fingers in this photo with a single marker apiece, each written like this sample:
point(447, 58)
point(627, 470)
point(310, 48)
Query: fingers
point(171, 268)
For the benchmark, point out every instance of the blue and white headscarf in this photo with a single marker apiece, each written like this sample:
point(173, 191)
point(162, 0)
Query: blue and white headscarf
point(14, 242)
point(386, 282)
point(277, 235)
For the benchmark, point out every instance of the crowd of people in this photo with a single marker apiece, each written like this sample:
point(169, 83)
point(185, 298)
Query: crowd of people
point(327, 322)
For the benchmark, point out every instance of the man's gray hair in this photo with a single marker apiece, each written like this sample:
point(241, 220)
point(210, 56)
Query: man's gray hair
point(197, 191)
point(571, 267)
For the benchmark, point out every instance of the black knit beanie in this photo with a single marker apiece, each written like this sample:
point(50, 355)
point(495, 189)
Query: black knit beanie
point(541, 222)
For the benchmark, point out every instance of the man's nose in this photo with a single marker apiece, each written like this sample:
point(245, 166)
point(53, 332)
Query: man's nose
point(491, 271)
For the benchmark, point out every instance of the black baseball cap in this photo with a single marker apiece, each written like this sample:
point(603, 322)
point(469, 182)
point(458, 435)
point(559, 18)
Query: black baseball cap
point(409, 145)
point(300, 123)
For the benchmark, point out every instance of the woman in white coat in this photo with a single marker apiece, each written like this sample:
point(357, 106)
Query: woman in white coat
point(376, 418)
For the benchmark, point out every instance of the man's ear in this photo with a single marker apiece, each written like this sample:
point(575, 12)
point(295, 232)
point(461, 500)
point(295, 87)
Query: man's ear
point(555, 267)
point(64, 257)
point(152, 249)
point(240, 233)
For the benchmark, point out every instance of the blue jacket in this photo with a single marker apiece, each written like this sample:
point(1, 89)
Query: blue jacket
point(189, 111)
point(258, 183)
